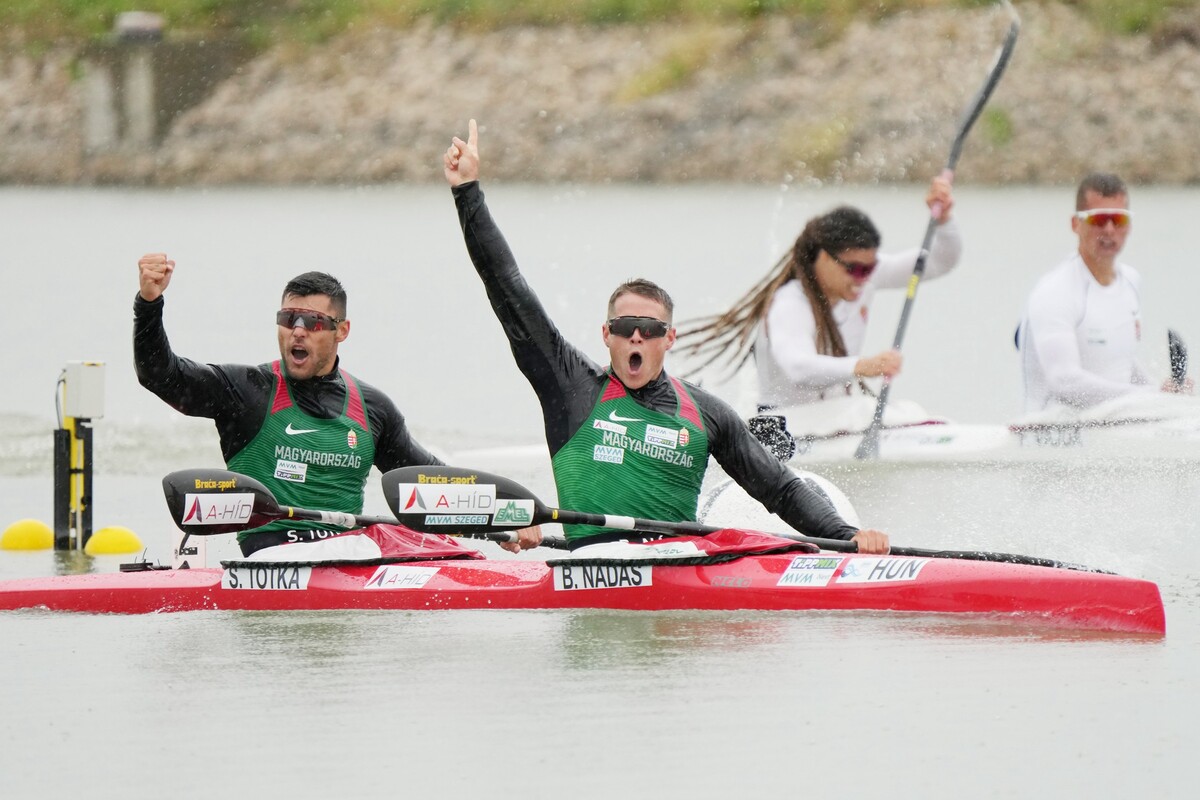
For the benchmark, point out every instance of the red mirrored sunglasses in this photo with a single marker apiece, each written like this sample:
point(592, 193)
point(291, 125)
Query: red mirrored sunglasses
point(311, 321)
point(1100, 217)
point(857, 269)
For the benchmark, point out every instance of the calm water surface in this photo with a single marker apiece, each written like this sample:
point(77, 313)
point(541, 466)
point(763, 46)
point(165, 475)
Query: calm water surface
point(588, 703)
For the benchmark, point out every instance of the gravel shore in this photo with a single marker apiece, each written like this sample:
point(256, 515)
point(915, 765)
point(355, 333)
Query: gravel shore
point(771, 100)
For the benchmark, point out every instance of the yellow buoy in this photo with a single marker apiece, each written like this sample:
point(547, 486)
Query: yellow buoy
point(112, 540)
point(27, 534)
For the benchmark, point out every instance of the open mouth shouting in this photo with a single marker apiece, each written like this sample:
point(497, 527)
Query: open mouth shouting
point(638, 340)
point(308, 338)
point(635, 362)
point(301, 358)
point(298, 356)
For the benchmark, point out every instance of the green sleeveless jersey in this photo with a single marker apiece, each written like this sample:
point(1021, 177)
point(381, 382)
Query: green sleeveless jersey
point(309, 462)
point(629, 460)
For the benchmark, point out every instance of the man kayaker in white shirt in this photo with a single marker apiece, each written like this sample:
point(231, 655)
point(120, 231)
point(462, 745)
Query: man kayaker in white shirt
point(1082, 324)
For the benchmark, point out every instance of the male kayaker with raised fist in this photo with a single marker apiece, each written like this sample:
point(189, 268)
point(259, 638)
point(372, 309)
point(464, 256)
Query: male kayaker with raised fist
point(626, 439)
point(301, 425)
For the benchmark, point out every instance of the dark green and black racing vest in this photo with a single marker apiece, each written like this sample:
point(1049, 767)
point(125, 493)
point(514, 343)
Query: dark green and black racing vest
point(309, 462)
point(632, 461)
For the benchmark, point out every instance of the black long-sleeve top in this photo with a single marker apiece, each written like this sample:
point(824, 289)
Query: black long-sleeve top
point(568, 383)
point(237, 396)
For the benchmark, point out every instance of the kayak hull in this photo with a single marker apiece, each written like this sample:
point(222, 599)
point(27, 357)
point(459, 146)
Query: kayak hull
point(1056, 597)
point(958, 443)
point(1163, 426)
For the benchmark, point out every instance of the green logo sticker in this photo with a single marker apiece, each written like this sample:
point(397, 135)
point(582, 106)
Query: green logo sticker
point(512, 513)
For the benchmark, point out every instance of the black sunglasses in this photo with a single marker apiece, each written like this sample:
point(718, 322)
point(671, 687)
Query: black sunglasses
point(312, 321)
point(650, 327)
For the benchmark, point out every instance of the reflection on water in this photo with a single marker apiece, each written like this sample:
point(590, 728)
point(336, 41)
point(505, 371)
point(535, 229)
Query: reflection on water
point(600, 639)
point(464, 702)
point(73, 562)
point(979, 629)
point(313, 638)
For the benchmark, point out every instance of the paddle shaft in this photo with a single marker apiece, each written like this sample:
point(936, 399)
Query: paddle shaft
point(402, 489)
point(837, 545)
point(669, 528)
point(344, 520)
point(869, 446)
point(339, 519)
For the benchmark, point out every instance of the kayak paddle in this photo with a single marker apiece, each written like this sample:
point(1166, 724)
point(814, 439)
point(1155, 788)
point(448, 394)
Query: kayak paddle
point(1179, 360)
point(470, 502)
point(204, 502)
point(869, 446)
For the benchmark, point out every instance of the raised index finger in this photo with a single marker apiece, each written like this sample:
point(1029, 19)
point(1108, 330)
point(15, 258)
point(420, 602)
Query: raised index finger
point(472, 134)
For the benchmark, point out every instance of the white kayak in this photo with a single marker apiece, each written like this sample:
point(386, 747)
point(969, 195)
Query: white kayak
point(723, 502)
point(1152, 425)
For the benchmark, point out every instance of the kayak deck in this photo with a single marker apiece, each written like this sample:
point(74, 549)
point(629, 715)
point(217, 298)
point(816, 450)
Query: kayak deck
point(1059, 597)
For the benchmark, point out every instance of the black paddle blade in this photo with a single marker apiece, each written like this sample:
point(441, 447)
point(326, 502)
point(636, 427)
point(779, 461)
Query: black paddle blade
point(462, 501)
point(975, 108)
point(771, 430)
point(1179, 361)
point(204, 502)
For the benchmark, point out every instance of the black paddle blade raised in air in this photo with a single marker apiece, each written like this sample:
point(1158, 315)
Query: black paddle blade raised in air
point(462, 501)
point(204, 502)
point(1179, 361)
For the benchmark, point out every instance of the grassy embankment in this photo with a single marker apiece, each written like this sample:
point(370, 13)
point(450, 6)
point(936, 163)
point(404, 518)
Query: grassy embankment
point(40, 22)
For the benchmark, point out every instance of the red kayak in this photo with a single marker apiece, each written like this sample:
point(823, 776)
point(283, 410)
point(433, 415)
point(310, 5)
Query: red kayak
point(781, 581)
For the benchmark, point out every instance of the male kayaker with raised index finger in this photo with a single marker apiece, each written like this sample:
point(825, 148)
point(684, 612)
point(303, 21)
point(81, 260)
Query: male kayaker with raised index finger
point(627, 439)
point(301, 425)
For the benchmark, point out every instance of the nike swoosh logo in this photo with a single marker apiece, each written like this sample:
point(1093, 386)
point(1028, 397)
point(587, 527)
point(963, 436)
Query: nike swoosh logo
point(293, 431)
point(615, 417)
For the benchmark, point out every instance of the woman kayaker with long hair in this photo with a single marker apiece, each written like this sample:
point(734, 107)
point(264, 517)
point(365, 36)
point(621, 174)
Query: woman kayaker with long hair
point(805, 322)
